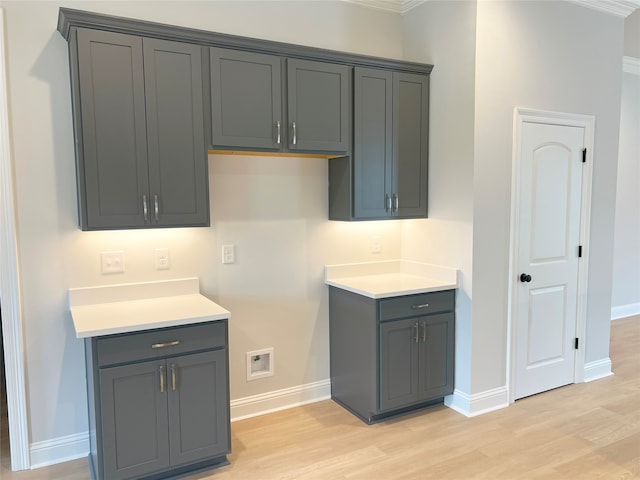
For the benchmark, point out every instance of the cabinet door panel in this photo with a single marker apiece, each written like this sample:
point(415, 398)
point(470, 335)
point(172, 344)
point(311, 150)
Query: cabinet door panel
point(198, 406)
point(246, 99)
point(112, 172)
point(398, 364)
point(373, 118)
point(134, 420)
point(318, 103)
point(178, 182)
point(411, 136)
point(436, 356)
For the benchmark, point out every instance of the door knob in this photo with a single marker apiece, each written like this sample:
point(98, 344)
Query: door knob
point(525, 278)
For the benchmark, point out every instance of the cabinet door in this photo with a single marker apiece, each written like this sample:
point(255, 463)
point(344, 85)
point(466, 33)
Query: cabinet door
point(246, 100)
point(411, 136)
point(372, 149)
point(318, 106)
point(178, 182)
point(134, 419)
point(111, 135)
point(436, 356)
point(198, 406)
point(398, 364)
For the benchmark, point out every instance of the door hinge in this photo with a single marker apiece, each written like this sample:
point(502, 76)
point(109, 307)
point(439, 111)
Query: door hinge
point(579, 250)
point(584, 155)
point(576, 343)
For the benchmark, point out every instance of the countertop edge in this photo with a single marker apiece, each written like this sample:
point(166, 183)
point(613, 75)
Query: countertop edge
point(392, 293)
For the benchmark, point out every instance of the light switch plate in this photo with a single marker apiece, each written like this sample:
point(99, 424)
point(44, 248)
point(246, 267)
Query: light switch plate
point(112, 262)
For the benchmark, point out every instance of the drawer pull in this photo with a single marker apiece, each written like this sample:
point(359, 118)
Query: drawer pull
point(421, 305)
point(162, 379)
point(168, 344)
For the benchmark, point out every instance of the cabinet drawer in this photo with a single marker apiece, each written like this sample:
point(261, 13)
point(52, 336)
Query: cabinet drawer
point(161, 342)
point(421, 304)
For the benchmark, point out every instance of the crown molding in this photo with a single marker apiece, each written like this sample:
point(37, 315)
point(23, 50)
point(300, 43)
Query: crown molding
point(395, 6)
point(620, 8)
point(631, 65)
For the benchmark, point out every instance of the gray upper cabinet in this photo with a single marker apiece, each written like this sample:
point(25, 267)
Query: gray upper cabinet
point(318, 106)
point(249, 102)
point(138, 116)
point(387, 177)
point(246, 100)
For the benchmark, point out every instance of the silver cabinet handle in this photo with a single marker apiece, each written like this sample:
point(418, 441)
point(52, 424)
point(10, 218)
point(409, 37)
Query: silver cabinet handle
point(387, 202)
point(424, 332)
point(145, 208)
point(415, 333)
point(155, 206)
point(419, 306)
point(162, 380)
point(278, 131)
point(295, 134)
point(395, 202)
point(167, 344)
point(174, 375)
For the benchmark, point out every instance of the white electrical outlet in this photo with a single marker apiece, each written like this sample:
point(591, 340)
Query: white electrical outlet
point(375, 244)
point(228, 253)
point(112, 262)
point(162, 259)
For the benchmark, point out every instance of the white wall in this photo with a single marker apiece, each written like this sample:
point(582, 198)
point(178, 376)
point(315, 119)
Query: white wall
point(552, 56)
point(273, 210)
point(626, 254)
point(443, 33)
point(625, 291)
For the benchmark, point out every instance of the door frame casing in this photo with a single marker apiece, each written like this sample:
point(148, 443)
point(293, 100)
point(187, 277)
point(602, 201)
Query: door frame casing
point(521, 116)
point(12, 329)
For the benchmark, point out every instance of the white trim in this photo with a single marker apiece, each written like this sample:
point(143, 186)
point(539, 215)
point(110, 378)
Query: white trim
point(526, 115)
point(624, 311)
point(597, 370)
point(631, 65)
point(10, 285)
point(620, 8)
point(275, 401)
point(478, 403)
point(59, 450)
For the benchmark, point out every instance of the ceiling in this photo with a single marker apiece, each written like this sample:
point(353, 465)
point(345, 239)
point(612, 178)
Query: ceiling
point(621, 8)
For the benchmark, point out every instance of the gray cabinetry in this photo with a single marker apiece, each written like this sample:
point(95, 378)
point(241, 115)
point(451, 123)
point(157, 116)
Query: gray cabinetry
point(252, 109)
point(160, 401)
point(138, 115)
point(390, 356)
point(387, 177)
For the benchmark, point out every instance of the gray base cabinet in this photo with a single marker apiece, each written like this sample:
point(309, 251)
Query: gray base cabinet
point(391, 356)
point(159, 402)
point(387, 176)
point(254, 108)
point(141, 158)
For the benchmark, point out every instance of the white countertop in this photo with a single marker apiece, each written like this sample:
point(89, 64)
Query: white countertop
point(125, 308)
point(392, 278)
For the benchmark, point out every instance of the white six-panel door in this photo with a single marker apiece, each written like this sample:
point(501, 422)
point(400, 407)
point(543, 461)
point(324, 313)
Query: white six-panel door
point(547, 261)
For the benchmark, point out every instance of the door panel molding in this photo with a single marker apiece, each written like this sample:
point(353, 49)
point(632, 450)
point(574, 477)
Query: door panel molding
point(522, 116)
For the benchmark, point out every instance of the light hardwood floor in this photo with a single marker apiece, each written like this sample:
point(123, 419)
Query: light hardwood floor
point(582, 431)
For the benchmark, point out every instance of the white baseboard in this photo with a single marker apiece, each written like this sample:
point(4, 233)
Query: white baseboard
point(264, 403)
point(623, 311)
point(58, 450)
point(598, 369)
point(478, 403)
